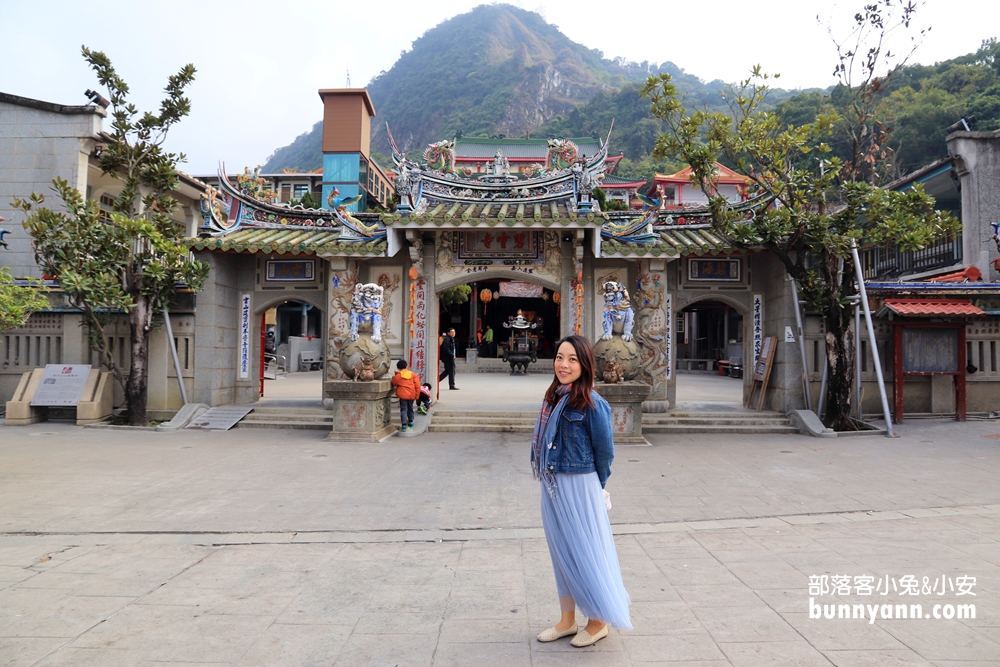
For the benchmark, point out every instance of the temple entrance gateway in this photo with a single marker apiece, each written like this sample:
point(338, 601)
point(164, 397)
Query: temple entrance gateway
point(292, 342)
point(492, 306)
point(710, 346)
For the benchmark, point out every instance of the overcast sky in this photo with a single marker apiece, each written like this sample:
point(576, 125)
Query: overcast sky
point(261, 63)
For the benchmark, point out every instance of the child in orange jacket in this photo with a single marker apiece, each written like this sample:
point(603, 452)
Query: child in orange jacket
point(407, 385)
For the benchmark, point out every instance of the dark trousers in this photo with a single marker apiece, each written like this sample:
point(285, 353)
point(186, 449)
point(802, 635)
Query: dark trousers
point(424, 401)
point(448, 372)
point(406, 410)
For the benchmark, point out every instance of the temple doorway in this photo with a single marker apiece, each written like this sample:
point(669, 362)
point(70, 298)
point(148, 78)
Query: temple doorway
point(293, 351)
point(474, 309)
point(709, 348)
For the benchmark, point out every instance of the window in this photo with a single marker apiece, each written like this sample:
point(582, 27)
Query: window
point(299, 190)
point(107, 204)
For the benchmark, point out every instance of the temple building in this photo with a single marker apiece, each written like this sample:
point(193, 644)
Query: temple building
point(516, 221)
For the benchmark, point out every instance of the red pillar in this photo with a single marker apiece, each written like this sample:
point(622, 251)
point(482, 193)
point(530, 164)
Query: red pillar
point(897, 371)
point(960, 378)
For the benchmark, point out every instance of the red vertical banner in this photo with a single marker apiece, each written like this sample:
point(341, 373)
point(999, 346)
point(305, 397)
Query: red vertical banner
point(418, 330)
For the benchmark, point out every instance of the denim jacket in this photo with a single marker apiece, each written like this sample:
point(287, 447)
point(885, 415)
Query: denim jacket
point(584, 441)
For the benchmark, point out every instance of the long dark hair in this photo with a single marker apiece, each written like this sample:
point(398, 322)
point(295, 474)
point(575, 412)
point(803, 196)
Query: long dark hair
point(579, 393)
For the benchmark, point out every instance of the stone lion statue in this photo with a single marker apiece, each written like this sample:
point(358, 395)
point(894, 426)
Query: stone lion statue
point(366, 307)
point(613, 371)
point(617, 309)
point(365, 371)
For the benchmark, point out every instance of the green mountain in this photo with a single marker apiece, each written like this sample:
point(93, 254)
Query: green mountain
point(499, 69)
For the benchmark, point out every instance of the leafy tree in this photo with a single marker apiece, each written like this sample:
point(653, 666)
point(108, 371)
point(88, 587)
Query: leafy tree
point(821, 204)
point(17, 302)
point(455, 296)
point(133, 262)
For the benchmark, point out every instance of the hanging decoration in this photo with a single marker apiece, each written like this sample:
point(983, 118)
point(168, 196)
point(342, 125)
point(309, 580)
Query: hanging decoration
point(496, 295)
point(545, 296)
point(578, 310)
point(556, 297)
point(521, 289)
point(485, 296)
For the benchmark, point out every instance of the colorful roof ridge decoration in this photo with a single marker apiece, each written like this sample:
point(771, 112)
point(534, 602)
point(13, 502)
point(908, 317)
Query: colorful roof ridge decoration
point(933, 308)
point(967, 275)
point(567, 179)
point(250, 205)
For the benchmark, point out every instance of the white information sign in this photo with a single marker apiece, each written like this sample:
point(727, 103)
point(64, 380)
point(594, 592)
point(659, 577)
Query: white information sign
point(758, 326)
point(61, 385)
point(219, 419)
point(789, 335)
point(244, 361)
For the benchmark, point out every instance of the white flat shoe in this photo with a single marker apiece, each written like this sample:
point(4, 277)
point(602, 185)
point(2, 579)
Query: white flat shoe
point(584, 638)
point(552, 634)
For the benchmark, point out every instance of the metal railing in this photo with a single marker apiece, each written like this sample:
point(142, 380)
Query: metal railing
point(880, 263)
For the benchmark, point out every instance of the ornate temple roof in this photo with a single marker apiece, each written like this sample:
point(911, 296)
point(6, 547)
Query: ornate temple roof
point(437, 194)
point(524, 214)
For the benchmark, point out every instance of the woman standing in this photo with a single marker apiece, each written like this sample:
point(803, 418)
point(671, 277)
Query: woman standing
point(571, 453)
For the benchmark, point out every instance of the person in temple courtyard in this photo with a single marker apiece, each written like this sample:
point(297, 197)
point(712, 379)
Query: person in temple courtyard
point(448, 353)
point(572, 448)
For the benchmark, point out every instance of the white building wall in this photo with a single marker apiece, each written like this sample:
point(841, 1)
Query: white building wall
point(36, 146)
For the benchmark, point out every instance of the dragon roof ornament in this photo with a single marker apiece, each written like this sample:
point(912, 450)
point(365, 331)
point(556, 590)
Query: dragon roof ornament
point(567, 177)
point(248, 204)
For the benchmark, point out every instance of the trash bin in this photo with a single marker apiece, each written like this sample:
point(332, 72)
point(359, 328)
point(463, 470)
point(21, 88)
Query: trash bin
point(723, 368)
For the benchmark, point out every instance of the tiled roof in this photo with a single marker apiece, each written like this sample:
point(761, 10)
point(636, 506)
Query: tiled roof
point(617, 181)
point(288, 242)
point(673, 242)
point(546, 215)
point(933, 308)
point(517, 149)
point(966, 275)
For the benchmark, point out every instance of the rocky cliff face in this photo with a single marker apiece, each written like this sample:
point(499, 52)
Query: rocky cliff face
point(495, 70)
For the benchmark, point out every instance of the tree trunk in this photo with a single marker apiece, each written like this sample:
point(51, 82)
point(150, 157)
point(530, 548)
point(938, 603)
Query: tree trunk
point(136, 385)
point(840, 384)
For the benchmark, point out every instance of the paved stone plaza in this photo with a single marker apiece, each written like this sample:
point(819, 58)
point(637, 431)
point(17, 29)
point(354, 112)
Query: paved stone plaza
point(266, 547)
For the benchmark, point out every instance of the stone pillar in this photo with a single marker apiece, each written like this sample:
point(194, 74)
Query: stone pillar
point(625, 399)
point(361, 410)
point(343, 276)
point(652, 320)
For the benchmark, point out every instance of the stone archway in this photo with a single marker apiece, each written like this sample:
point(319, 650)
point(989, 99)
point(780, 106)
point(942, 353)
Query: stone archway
point(697, 348)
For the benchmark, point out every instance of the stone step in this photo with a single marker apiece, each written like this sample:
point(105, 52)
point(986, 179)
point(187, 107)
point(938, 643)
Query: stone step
point(448, 414)
point(261, 423)
point(718, 414)
point(438, 427)
point(715, 429)
point(649, 420)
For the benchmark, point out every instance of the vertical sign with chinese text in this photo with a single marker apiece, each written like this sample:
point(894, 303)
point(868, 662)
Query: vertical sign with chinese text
point(668, 307)
point(244, 336)
point(758, 326)
point(418, 339)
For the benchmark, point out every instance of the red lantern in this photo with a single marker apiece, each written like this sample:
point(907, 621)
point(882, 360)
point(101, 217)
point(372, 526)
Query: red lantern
point(485, 296)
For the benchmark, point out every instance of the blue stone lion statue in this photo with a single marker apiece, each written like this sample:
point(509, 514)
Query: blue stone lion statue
point(366, 308)
point(617, 309)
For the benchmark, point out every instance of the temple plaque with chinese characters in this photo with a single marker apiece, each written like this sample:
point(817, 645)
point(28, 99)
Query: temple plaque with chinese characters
point(500, 246)
point(726, 270)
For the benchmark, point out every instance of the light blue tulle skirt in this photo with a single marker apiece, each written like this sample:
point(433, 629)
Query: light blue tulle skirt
point(583, 549)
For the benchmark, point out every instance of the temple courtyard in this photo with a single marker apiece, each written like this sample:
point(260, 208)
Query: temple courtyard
point(277, 547)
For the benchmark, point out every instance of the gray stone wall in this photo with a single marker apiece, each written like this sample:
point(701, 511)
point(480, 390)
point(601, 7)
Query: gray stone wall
point(215, 327)
point(36, 146)
point(978, 166)
point(784, 390)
